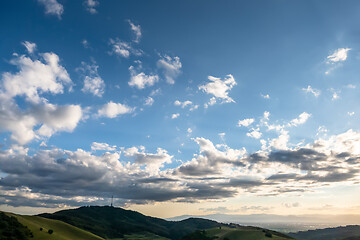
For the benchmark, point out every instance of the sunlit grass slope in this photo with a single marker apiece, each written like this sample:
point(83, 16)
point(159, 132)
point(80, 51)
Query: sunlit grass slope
point(62, 231)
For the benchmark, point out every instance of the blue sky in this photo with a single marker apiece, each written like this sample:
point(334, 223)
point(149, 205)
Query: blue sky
point(243, 105)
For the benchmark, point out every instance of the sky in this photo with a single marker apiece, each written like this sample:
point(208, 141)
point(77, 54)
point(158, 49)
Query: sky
point(180, 107)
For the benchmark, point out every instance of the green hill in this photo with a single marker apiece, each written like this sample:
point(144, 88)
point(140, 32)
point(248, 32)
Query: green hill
point(236, 233)
point(12, 229)
point(110, 222)
point(337, 233)
point(61, 230)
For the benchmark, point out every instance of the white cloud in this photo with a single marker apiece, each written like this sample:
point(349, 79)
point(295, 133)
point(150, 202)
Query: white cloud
point(219, 88)
point(194, 108)
point(123, 49)
point(137, 31)
point(57, 118)
point(339, 55)
point(335, 96)
point(35, 77)
point(153, 161)
point(303, 117)
point(141, 80)
point(175, 115)
point(266, 96)
point(30, 47)
point(266, 115)
point(93, 83)
point(351, 114)
point(189, 131)
point(85, 43)
point(112, 110)
point(52, 7)
point(90, 6)
point(311, 90)
point(171, 67)
point(246, 122)
point(149, 101)
point(95, 146)
point(254, 133)
point(183, 104)
point(281, 142)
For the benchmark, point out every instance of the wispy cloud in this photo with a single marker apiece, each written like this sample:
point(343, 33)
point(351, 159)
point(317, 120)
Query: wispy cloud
point(136, 30)
point(52, 7)
point(311, 90)
point(171, 66)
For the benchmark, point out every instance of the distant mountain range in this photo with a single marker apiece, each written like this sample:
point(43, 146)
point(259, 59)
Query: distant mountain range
point(271, 218)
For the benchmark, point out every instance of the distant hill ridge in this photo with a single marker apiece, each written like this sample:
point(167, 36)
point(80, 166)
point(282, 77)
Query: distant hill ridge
point(350, 232)
point(111, 222)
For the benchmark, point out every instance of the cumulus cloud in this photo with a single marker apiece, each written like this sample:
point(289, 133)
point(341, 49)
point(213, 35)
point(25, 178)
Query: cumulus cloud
point(216, 172)
point(171, 67)
point(245, 122)
point(57, 118)
point(219, 88)
point(30, 47)
point(153, 161)
point(40, 118)
point(112, 110)
point(175, 115)
point(311, 90)
point(52, 7)
point(43, 75)
point(136, 30)
point(141, 80)
point(303, 117)
point(254, 133)
point(90, 6)
point(210, 159)
point(93, 83)
point(339, 55)
point(95, 146)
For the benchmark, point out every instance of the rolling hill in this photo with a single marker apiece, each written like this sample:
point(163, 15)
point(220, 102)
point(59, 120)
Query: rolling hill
point(110, 222)
point(238, 233)
point(61, 230)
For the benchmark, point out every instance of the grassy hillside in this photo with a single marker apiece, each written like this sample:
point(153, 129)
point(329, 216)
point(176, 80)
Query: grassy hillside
point(338, 233)
point(61, 230)
point(144, 236)
point(12, 229)
point(112, 223)
point(238, 233)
